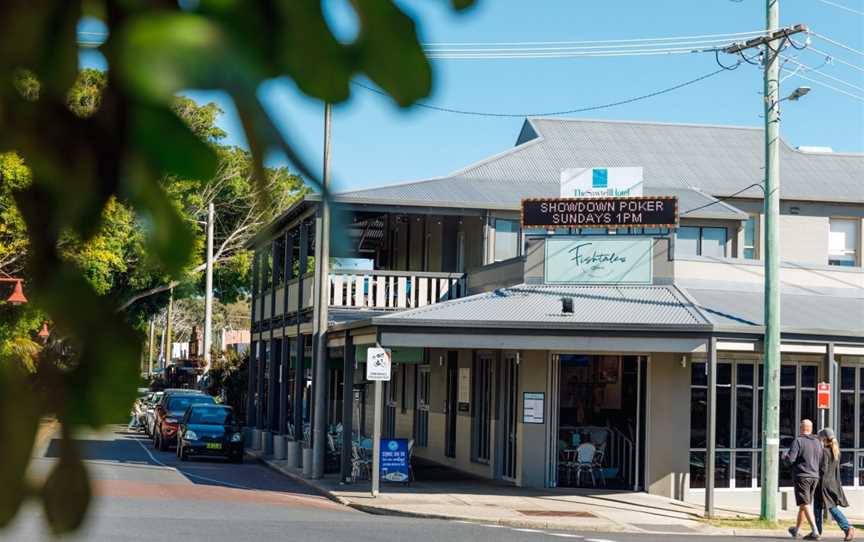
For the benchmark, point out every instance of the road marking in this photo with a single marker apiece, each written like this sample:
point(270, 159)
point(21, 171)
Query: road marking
point(528, 530)
point(565, 535)
point(598, 540)
point(189, 474)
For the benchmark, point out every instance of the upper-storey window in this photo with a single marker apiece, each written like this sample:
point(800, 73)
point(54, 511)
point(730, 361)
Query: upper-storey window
point(842, 242)
point(701, 241)
point(750, 238)
point(506, 239)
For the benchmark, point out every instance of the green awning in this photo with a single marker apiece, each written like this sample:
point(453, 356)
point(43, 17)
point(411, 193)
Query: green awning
point(401, 354)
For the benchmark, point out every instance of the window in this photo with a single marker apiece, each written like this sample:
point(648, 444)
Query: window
point(842, 242)
point(739, 391)
point(851, 428)
point(506, 239)
point(701, 241)
point(750, 238)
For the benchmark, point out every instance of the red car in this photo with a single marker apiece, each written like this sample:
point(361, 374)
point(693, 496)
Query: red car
point(169, 414)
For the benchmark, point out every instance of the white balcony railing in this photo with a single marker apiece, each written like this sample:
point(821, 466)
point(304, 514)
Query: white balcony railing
point(393, 289)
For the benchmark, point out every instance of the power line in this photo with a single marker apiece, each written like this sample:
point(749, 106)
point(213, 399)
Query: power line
point(550, 113)
point(840, 6)
point(724, 198)
point(627, 46)
point(577, 54)
point(823, 74)
point(826, 85)
point(633, 40)
point(837, 43)
point(834, 58)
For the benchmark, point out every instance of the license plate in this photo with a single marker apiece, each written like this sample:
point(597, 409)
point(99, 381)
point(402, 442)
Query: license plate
point(214, 446)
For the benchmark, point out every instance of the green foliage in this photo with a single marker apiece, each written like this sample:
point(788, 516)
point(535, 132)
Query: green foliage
point(118, 139)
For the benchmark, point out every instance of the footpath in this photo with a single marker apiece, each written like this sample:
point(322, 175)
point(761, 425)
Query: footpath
point(482, 501)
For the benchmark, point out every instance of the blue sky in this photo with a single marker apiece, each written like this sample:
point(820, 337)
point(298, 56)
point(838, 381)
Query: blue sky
point(375, 142)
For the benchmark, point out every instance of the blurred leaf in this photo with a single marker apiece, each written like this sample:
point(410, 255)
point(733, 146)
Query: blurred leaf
point(161, 53)
point(460, 5)
point(19, 420)
point(168, 143)
point(390, 52)
point(66, 494)
point(170, 238)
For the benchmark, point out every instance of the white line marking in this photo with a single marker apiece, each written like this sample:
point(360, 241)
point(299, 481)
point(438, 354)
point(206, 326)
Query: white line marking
point(528, 530)
point(565, 535)
point(228, 484)
point(598, 540)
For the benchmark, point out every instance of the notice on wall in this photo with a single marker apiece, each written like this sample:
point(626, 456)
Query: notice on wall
point(464, 385)
point(533, 407)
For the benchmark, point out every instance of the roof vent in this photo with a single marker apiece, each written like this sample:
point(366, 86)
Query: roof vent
point(816, 150)
point(567, 305)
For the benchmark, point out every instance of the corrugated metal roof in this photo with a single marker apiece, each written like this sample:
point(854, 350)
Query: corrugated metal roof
point(540, 305)
point(717, 160)
point(814, 314)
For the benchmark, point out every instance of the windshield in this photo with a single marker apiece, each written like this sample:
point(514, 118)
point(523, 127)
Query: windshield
point(211, 416)
point(182, 402)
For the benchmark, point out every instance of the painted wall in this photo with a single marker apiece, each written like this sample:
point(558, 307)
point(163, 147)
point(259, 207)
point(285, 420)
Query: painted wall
point(532, 438)
point(668, 436)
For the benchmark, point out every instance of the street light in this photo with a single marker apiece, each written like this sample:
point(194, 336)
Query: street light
point(798, 93)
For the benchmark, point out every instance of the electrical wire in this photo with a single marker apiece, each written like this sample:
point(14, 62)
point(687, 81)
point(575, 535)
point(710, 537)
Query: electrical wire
point(725, 67)
point(834, 58)
point(837, 43)
point(575, 48)
point(724, 198)
point(840, 6)
point(823, 74)
point(577, 54)
point(826, 85)
point(632, 40)
point(550, 113)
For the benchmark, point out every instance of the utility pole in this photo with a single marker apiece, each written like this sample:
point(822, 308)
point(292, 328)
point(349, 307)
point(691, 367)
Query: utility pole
point(150, 347)
point(168, 319)
point(322, 295)
point(208, 291)
point(771, 347)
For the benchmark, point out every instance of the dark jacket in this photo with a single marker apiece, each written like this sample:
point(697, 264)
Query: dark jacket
point(805, 455)
point(829, 486)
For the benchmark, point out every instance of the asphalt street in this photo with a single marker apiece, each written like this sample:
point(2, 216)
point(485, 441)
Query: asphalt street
point(147, 495)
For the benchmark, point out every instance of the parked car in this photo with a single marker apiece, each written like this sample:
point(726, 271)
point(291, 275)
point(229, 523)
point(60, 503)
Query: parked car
point(170, 411)
point(150, 413)
point(210, 430)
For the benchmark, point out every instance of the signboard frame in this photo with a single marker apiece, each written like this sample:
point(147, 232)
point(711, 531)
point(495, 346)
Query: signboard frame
point(395, 461)
point(646, 260)
point(372, 369)
point(618, 225)
point(538, 405)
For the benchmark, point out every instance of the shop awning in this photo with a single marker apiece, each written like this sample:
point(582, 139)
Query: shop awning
point(400, 354)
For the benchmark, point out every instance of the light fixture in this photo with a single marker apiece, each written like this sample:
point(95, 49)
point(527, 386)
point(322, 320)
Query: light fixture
point(17, 297)
point(798, 93)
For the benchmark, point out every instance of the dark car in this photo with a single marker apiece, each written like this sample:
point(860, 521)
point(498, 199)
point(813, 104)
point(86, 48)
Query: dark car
point(210, 430)
point(170, 412)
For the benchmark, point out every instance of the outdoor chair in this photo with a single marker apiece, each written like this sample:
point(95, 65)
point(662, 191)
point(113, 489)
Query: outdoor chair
point(361, 467)
point(585, 462)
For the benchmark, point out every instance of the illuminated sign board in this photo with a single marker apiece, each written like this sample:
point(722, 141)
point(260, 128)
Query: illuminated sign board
point(624, 212)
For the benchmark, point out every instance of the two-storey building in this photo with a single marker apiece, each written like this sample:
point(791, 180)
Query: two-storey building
point(505, 364)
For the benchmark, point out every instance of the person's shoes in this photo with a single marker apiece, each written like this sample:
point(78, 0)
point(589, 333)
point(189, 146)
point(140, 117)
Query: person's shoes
point(813, 536)
point(793, 532)
point(850, 534)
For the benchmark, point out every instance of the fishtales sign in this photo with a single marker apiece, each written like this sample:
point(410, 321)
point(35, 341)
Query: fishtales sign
point(624, 212)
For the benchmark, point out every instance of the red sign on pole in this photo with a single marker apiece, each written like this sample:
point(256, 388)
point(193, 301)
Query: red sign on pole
point(824, 395)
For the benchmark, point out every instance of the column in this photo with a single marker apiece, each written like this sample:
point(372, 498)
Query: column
point(253, 348)
point(347, 407)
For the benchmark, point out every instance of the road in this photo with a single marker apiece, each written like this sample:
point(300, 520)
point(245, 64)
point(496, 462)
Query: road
point(142, 494)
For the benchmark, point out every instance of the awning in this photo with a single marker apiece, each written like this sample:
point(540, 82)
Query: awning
point(400, 354)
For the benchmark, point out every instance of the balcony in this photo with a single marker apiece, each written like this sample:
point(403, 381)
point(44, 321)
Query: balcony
point(393, 290)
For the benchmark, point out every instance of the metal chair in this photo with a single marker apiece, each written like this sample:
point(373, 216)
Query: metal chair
point(585, 462)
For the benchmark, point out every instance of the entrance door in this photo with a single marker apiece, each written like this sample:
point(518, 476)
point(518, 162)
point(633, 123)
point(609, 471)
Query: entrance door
point(600, 436)
point(508, 409)
point(421, 412)
point(450, 406)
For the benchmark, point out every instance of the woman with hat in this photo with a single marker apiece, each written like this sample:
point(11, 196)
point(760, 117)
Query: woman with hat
point(829, 493)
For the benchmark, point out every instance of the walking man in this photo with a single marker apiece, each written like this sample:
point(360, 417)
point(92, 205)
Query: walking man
point(805, 454)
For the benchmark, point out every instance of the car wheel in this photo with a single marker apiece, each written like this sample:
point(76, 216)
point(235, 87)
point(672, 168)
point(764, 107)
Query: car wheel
point(182, 453)
point(237, 458)
point(163, 446)
point(156, 440)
